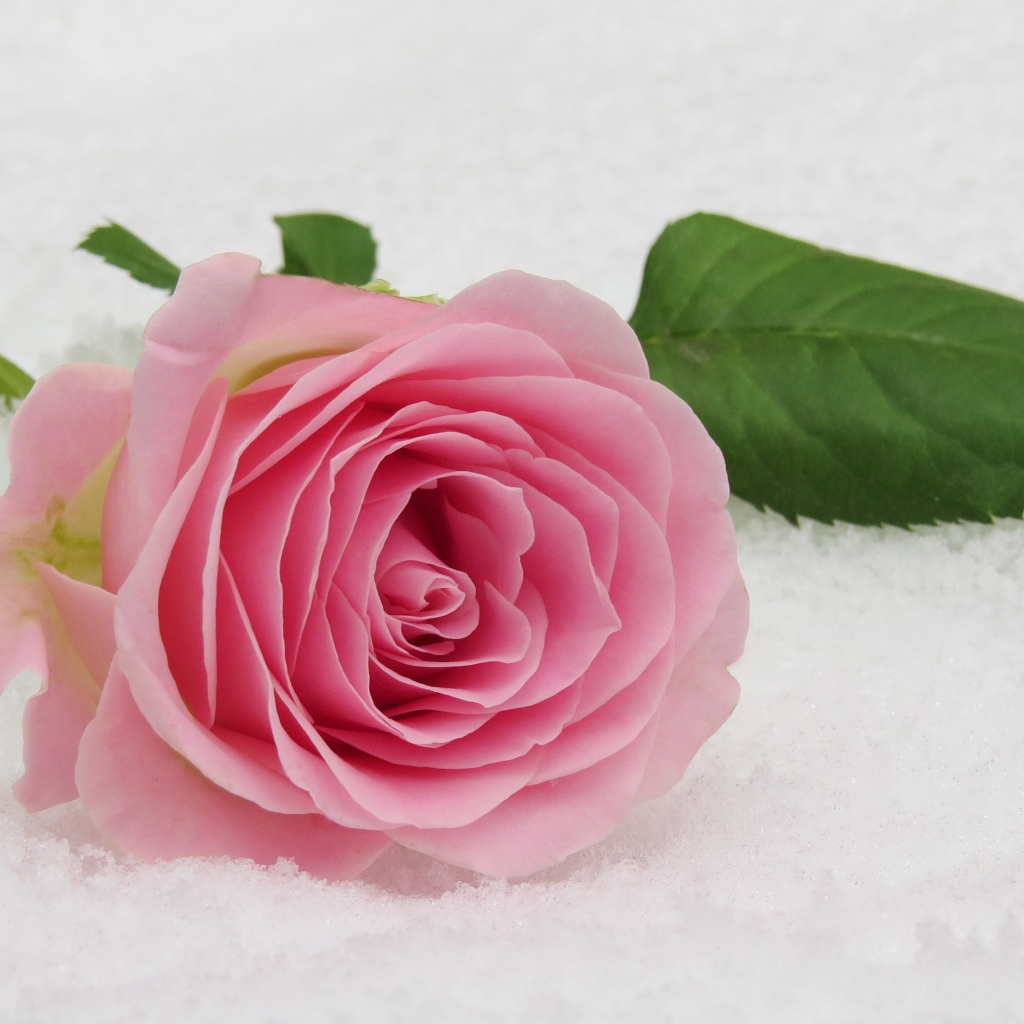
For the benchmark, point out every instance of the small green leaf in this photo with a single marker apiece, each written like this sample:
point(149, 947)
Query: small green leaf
point(838, 387)
point(15, 383)
point(119, 247)
point(382, 287)
point(328, 246)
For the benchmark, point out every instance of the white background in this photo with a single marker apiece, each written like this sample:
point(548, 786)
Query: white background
point(850, 846)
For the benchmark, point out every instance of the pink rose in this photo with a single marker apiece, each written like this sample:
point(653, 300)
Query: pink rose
point(371, 570)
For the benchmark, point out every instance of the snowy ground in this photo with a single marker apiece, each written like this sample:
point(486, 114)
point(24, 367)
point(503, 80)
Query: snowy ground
point(849, 847)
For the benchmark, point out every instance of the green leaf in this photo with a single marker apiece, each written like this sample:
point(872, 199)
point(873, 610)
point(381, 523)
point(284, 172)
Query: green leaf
point(837, 387)
point(328, 246)
point(119, 247)
point(15, 383)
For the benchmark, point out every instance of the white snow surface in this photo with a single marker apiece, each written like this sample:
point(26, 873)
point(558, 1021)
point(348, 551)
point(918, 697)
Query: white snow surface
point(850, 846)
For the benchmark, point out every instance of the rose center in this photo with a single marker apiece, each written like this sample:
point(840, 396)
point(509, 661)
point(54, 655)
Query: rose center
point(429, 605)
point(416, 590)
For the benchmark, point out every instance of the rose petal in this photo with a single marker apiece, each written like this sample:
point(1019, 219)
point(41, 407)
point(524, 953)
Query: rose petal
point(700, 697)
point(642, 593)
point(156, 806)
point(187, 611)
point(186, 340)
point(63, 430)
point(595, 510)
point(541, 825)
point(54, 722)
point(79, 649)
point(578, 326)
point(289, 318)
point(258, 522)
point(699, 530)
point(331, 677)
point(59, 438)
point(431, 797)
point(616, 722)
point(86, 615)
point(498, 737)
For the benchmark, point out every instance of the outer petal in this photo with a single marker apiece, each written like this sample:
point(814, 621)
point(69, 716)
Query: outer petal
point(54, 722)
point(71, 422)
point(288, 318)
point(79, 649)
point(700, 697)
point(22, 647)
point(86, 617)
point(578, 326)
point(541, 825)
point(186, 340)
point(698, 527)
point(59, 437)
point(155, 805)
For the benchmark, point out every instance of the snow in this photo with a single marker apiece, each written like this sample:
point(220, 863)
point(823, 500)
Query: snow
point(849, 847)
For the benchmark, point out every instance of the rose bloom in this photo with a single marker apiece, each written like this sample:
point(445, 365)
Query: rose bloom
point(334, 569)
